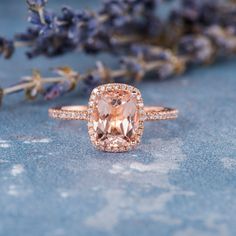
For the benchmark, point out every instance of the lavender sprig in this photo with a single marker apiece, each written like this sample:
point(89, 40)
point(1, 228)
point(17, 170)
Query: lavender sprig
point(114, 28)
point(128, 26)
point(53, 34)
point(131, 69)
point(194, 16)
point(192, 49)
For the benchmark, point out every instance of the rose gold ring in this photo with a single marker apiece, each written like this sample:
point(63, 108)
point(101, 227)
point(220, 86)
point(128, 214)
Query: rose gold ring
point(115, 115)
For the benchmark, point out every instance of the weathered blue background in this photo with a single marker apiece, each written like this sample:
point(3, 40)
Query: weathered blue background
point(181, 180)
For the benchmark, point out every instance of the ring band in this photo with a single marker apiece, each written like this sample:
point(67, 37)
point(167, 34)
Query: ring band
point(153, 113)
point(115, 116)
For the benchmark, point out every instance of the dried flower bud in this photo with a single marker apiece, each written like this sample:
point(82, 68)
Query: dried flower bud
point(44, 20)
point(59, 89)
point(133, 67)
point(65, 86)
point(151, 53)
point(34, 5)
point(6, 48)
point(32, 92)
point(165, 71)
point(223, 39)
point(198, 49)
point(91, 80)
point(30, 35)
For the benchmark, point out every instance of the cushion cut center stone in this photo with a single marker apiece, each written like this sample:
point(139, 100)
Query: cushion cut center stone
point(115, 118)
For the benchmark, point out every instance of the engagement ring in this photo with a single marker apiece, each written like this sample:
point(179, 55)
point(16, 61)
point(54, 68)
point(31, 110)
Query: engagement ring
point(115, 115)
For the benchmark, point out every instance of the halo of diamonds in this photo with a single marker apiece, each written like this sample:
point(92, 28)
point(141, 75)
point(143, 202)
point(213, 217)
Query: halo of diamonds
point(140, 109)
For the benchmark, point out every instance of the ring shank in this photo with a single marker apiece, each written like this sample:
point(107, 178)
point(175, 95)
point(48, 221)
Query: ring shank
point(69, 113)
point(152, 113)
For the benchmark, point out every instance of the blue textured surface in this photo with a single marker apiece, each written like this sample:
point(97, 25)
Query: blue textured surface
point(181, 180)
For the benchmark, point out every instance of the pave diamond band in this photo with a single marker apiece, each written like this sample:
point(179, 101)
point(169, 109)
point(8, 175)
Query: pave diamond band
point(69, 113)
point(152, 113)
point(155, 113)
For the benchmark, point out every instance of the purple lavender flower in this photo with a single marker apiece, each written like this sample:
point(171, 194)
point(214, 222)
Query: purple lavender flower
point(115, 10)
point(140, 50)
point(50, 46)
point(222, 39)
point(88, 26)
point(91, 81)
point(58, 89)
point(64, 86)
point(193, 16)
point(35, 19)
point(29, 36)
point(197, 49)
point(133, 67)
point(6, 47)
point(150, 53)
point(36, 4)
point(131, 16)
point(165, 71)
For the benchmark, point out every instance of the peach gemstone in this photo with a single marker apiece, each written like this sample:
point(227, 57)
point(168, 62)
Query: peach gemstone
point(115, 119)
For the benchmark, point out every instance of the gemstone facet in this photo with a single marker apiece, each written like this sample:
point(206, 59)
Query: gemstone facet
point(115, 117)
